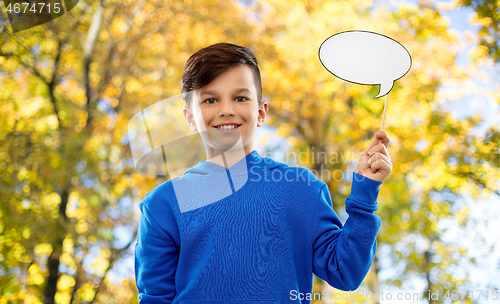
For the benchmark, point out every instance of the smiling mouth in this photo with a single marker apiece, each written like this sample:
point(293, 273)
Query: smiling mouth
point(227, 127)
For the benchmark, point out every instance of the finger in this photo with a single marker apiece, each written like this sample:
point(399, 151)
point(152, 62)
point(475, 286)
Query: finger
point(378, 156)
point(379, 148)
point(381, 165)
point(384, 137)
point(378, 135)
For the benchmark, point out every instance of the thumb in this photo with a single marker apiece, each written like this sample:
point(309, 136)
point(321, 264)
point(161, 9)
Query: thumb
point(380, 136)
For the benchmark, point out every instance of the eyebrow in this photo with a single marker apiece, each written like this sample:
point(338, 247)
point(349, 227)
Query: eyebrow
point(212, 92)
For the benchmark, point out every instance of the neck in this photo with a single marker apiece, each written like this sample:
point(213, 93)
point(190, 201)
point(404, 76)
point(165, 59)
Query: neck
point(227, 158)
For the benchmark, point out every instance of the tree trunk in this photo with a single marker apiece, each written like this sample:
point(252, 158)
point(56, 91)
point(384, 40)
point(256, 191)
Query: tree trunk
point(374, 283)
point(427, 257)
point(53, 260)
point(53, 267)
point(88, 48)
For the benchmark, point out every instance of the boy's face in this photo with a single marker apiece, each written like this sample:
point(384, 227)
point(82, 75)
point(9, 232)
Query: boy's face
point(230, 99)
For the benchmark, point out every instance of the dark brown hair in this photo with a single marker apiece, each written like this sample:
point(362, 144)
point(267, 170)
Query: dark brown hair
point(208, 63)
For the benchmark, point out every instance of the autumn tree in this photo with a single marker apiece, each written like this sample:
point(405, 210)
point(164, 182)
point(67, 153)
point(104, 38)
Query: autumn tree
point(488, 17)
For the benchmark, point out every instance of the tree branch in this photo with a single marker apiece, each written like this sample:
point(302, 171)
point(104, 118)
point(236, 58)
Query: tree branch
point(77, 282)
point(477, 181)
point(52, 83)
point(107, 71)
point(26, 65)
point(88, 49)
point(115, 255)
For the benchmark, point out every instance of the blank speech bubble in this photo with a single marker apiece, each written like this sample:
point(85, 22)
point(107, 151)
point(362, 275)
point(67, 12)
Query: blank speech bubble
point(365, 58)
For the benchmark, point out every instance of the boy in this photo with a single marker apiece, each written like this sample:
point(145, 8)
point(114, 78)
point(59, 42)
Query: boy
point(254, 230)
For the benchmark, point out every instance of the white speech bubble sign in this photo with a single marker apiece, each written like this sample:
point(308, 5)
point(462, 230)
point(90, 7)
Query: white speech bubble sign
point(364, 57)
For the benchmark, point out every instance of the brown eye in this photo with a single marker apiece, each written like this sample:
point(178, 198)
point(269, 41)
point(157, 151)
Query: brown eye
point(241, 97)
point(208, 100)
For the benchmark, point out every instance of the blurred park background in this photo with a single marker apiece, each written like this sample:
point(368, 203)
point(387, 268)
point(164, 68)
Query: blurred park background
point(69, 189)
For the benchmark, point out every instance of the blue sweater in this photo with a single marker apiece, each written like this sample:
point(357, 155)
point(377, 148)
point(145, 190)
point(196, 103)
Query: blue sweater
point(253, 233)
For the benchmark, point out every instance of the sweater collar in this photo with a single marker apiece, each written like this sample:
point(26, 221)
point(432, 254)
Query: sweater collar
point(252, 163)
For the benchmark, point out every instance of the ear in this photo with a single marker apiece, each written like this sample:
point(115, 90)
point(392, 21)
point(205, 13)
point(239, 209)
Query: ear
point(262, 113)
point(189, 118)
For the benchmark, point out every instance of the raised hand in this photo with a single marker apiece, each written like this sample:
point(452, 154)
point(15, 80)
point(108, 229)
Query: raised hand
point(375, 162)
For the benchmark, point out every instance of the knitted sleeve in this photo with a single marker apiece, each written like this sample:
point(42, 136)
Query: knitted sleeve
point(156, 258)
point(342, 255)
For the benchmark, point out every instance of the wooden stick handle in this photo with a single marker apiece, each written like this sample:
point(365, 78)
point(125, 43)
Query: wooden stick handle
point(383, 118)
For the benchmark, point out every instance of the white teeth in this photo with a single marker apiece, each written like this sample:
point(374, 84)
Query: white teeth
point(227, 127)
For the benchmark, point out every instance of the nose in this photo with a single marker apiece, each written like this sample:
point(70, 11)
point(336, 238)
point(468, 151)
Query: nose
point(226, 108)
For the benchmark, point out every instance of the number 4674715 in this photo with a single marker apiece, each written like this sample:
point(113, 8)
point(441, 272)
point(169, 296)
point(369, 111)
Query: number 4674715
point(36, 8)
point(463, 293)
